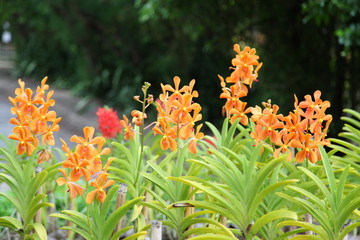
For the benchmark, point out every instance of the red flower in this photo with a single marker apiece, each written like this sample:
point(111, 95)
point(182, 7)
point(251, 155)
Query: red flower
point(109, 122)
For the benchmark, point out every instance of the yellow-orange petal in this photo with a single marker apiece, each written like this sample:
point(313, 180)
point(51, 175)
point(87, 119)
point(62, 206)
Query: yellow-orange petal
point(90, 196)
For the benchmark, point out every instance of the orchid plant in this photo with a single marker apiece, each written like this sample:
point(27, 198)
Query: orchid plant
point(262, 175)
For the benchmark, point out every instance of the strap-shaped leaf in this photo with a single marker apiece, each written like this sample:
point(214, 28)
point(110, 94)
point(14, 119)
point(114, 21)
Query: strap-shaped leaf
point(123, 163)
point(203, 231)
point(160, 208)
point(345, 213)
point(263, 193)
point(85, 234)
point(73, 216)
point(229, 202)
point(16, 187)
point(215, 132)
point(272, 216)
point(320, 185)
point(32, 211)
point(11, 223)
point(320, 216)
point(164, 185)
point(128, 154)
point(35, 184)
point(117, 235)
point(106, 204)
point(184, 225)
point(260, 178)
point(213, 237)
point(309, 226)
point(136, 235)
point(13, 163)
point(114, 218)
point(39, 229)
point(193, 221)
point(348, 229)
point(123, 173)
point(306, 237)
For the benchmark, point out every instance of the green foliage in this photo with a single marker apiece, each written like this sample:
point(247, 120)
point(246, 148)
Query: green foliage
point(103, 222)
point(331, 205)
point(24, 182)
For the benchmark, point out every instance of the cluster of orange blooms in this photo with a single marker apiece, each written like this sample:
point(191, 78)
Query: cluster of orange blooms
point(85, 161)
point(245, 71)
point(304, 129)
point(33, 118)
point(177, 115)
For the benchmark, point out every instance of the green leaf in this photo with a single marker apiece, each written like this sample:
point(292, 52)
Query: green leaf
point(162, 209)
point(106, 204)
point(225, 230)
point(40, 230)
point(136, 235)
point(263, 193)
point(320, 185)
point(14, 201)
point(213, 236)
point(312, 227)
point(74, 217)
point(114, 218)
point(32, 211)
point(161, 183)
point(306, 237)
point(85, 234)
point(11, 223)
point(329, 172)
point(117, 235)
point(348, 229)
point(13, 163)
point(345, 212)
point(272, 216)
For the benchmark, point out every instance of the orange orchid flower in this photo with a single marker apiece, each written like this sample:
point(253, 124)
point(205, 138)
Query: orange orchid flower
point(85, 145)
point(73, 188)
point(27, 142)
point(128, 130)
point(183, 106)
point(186, 131)
point(77, 166)
point(176, 91)
point(48, 137)
point(240, 112)
point(197, 136)
point(271, 122)
point(138, 117)
point(96, 164)
point(313, 106)
point(284, 143)
point(40, 118)
point(100, 184)
point(233, 97)
point(169, 135)
point(309, 148)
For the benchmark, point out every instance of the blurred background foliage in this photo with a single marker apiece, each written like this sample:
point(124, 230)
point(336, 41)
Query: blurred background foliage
point(107, 48)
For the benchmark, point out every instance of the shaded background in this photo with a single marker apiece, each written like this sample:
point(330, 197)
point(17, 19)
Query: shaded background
point(106, 49)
